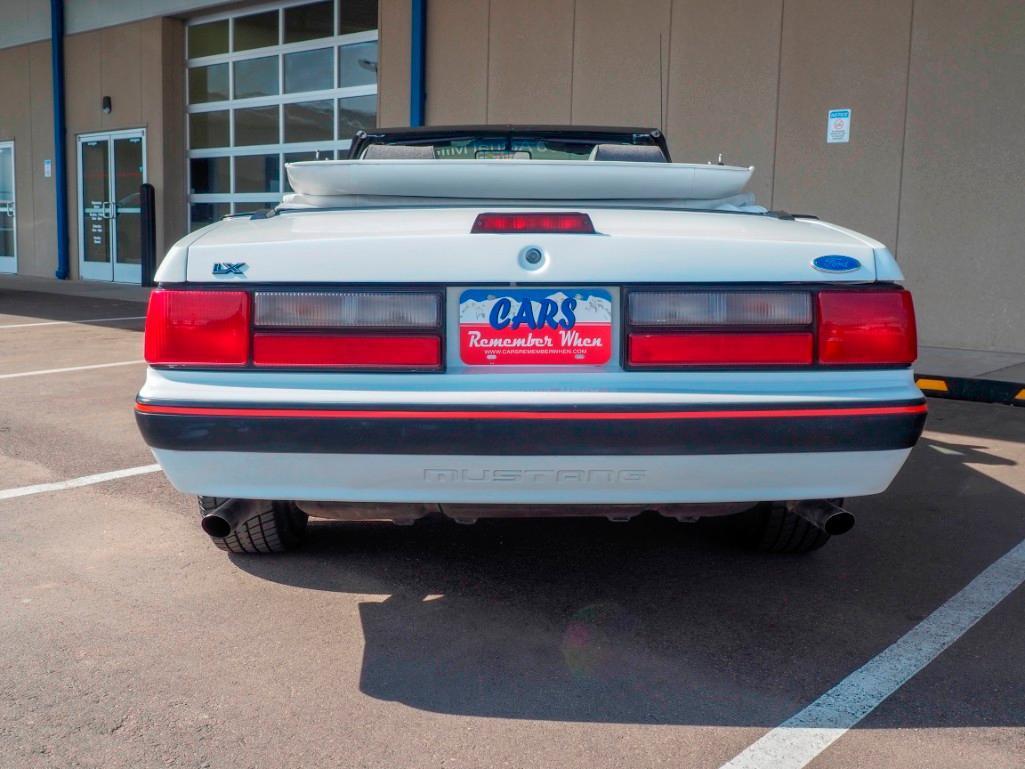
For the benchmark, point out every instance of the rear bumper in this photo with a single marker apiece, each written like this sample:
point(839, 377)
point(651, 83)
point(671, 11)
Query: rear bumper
point(479, 431)
point(531, 456)
point(524, 480)
point(505, 438)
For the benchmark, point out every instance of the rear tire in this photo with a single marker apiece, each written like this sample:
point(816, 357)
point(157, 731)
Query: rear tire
point(770, 528)
point(275, 527)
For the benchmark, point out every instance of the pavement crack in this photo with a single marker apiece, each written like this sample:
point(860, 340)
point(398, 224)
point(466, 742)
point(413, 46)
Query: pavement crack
point(118, 726)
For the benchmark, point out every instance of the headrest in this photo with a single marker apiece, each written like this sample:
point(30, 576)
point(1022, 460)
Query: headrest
point(637, 153)
point(399, 152)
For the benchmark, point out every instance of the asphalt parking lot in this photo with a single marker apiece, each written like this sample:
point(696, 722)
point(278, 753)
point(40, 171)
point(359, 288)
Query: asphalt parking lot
point(128, 640)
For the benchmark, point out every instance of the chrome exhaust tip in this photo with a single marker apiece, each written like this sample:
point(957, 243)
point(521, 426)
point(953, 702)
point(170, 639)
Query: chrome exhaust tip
point(824, 515)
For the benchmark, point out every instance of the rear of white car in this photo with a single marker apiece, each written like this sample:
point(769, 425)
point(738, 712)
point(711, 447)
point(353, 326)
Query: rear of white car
point(534, 360)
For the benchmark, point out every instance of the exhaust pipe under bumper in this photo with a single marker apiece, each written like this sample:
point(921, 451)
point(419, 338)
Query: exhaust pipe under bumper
point(226, 517)
point(400, 513)
point(824, 515)
point(406, 513)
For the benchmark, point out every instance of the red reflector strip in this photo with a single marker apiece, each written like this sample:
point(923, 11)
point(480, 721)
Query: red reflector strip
point(703, 349)
point(197, 328)
point(867, 327)
point(788, 413)
point(346, 351)
point(571, 223)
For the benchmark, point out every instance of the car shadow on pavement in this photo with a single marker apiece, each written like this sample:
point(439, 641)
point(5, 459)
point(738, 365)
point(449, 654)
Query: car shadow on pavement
point(656, 622)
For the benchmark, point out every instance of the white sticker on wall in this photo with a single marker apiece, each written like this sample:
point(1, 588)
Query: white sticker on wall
point(47, 168)
point(838, 126)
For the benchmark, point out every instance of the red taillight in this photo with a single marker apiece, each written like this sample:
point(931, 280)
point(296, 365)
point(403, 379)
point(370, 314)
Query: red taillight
point(867, 328)
point(723, 327)
point(690, 348)
point(693, 327)
point(350, 330)
point(197, 328)
point(568, 223)
point(346, 351)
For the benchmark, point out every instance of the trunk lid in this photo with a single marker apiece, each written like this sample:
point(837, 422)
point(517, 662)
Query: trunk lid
point(434, 245)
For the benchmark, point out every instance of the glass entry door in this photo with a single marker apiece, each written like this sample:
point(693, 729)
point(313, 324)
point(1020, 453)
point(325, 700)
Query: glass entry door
point(111, 168)
point(8, 233)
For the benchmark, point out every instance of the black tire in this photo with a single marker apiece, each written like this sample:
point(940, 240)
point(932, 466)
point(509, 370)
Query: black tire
point(274, 527)
point(770, 528)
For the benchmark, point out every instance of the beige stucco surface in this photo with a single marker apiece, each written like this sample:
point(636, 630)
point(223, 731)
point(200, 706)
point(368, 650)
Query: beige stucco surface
point(139, 66)
point(457, 75)
point(962, 204)
point(723, 81)
point(393, 67)
point(26, 118)
point(837, 54)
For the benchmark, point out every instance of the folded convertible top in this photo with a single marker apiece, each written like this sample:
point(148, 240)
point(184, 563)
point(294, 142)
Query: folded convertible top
point(507, 180)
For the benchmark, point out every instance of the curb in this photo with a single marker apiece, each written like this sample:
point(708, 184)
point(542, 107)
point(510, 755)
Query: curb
point(967, 389)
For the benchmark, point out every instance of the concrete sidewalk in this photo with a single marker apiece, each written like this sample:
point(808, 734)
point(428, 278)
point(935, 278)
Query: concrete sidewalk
point(971, 364)
point(984, 376)
point(89, 288)
point(934, 363)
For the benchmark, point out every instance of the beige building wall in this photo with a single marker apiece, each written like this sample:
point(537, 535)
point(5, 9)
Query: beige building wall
point(457, 75)
point(41, 252)
point(841, 54)
point(723, 84)
point(626, 59)
point(962, 203)
point(393, 68)
point(140, 66)
point(936, 161)
point(26, 118)
point(530, 74)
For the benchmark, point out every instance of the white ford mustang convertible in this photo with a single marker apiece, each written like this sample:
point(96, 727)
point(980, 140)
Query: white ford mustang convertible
point(538, 321)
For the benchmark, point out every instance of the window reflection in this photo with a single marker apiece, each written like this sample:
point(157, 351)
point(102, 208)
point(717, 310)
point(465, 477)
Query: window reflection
point(355, 113)
point(357, 64)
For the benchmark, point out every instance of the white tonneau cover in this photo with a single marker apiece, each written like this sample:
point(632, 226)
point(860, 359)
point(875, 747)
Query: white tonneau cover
point(359, 183)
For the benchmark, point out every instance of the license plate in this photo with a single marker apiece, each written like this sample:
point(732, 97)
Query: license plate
point(532, 326)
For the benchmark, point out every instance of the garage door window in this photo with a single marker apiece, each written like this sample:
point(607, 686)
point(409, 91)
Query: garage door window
point(272, 84)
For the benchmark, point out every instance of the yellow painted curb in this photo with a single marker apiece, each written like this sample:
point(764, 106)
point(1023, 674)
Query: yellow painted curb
point(938, 385)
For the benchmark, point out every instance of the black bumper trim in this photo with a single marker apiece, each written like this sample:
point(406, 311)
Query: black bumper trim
point(539, 432)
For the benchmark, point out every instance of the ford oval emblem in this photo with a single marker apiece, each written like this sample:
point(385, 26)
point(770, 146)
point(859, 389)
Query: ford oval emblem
point(835, 263)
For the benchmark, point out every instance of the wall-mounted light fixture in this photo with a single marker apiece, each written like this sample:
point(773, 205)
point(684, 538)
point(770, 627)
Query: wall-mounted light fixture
point(106, 105)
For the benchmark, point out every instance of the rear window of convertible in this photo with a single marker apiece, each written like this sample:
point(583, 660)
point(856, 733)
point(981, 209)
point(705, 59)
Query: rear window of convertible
point(498, 148)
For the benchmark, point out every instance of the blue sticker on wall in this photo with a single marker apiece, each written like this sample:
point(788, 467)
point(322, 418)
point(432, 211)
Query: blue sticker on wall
point(835, 263)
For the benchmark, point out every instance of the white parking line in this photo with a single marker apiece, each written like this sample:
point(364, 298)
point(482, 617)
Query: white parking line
point(799, 739)
point(74, 483)
point(70, 368)
point(62, 322)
